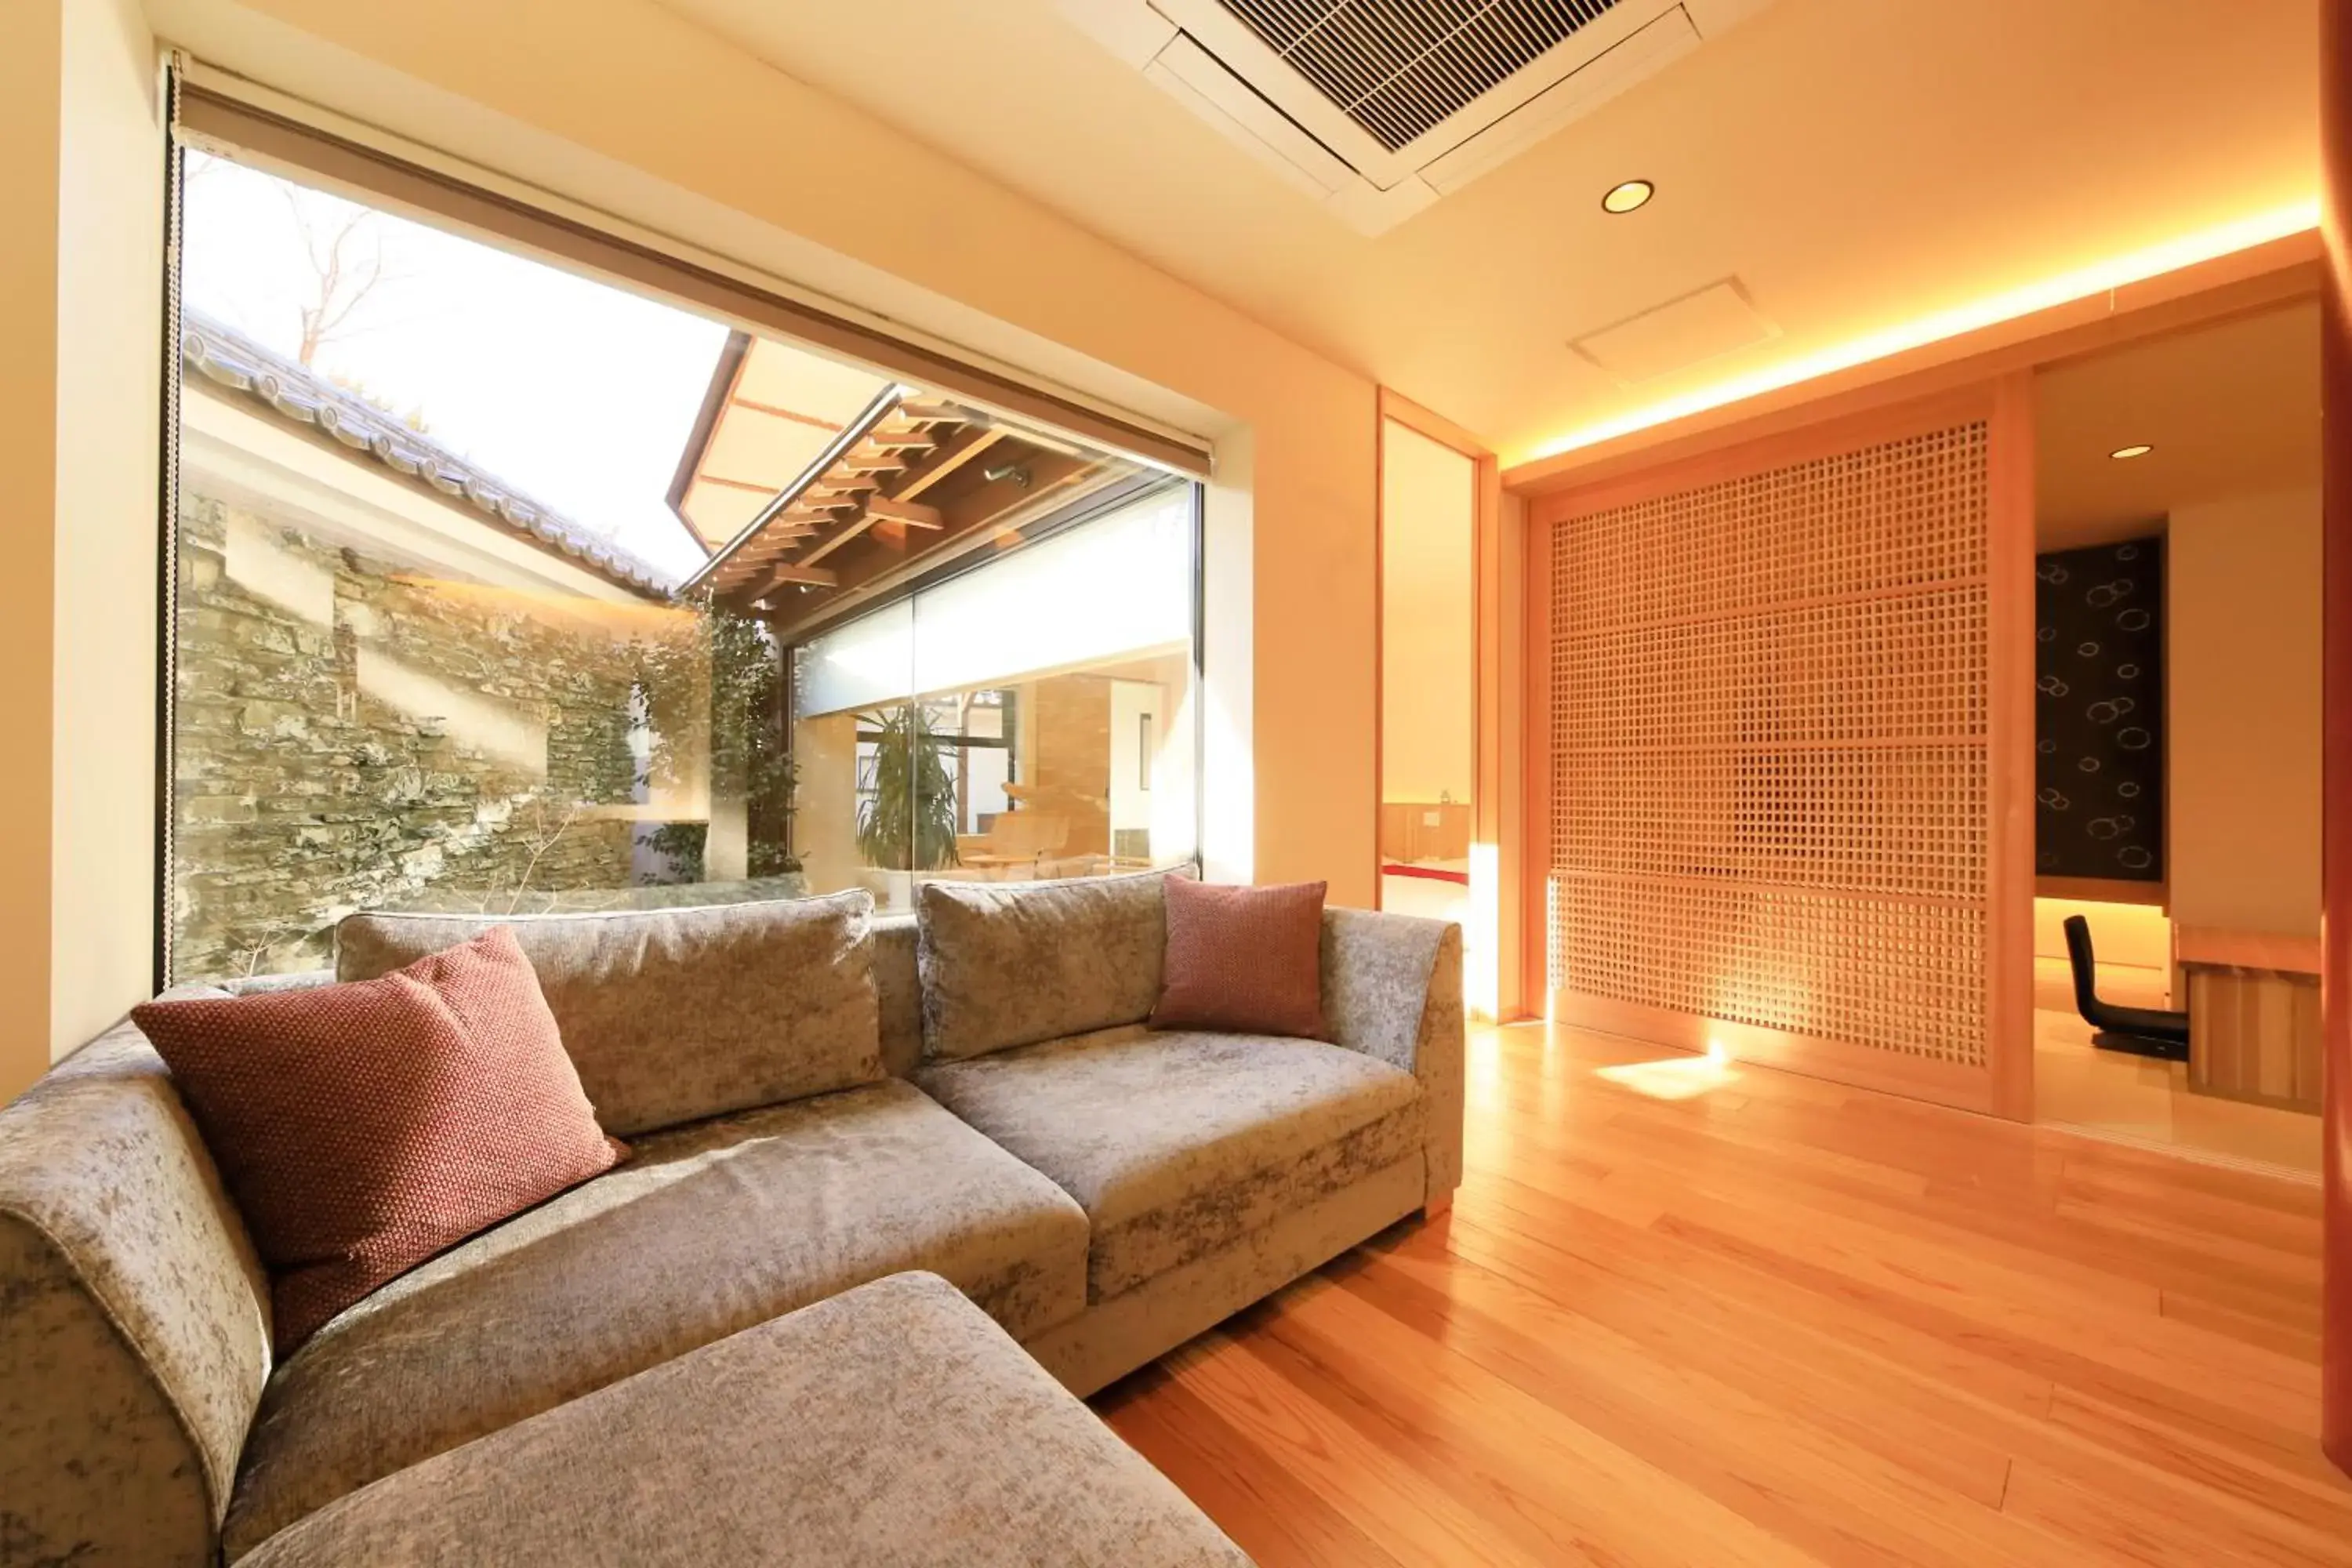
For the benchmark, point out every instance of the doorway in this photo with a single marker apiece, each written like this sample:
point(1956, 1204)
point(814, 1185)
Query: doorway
point(1436, 838)
point(2177, 733)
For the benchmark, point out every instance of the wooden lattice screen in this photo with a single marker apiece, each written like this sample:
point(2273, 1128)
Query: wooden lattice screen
point(1768, 760)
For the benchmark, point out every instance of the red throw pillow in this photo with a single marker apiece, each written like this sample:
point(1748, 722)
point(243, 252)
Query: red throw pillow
point(363, 1128)
point(1248, 960)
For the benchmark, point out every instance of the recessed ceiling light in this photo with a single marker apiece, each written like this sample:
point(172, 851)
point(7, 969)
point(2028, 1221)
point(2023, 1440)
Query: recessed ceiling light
point(1628, 196)
point(2136, 450)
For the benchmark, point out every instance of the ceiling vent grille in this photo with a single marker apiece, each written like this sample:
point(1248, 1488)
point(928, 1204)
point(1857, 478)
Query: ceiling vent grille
point(1378, 108)
point(1398, 69)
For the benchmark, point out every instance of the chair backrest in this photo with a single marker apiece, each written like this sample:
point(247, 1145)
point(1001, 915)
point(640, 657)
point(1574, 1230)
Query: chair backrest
point(2084, 965)
point(1029, 831)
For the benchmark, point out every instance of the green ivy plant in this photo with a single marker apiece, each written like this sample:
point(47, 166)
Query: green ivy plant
point(909, 825)
point(736, 661)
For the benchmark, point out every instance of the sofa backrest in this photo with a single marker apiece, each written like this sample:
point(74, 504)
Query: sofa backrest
point(899, 989)
point(134, 1326)
point(672, 1015)
point(1011, 963)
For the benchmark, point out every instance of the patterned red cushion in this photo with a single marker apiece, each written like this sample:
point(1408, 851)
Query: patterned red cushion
point(363, 1128)
point(1248, 960)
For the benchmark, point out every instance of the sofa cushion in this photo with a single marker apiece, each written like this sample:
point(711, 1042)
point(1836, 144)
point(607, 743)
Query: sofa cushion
point(891, 1425)
point(1177, 1144)
point(1247, 959)
point(707, 1230)
point(363, 1128)
point(1009, 964)
point(673, 1014)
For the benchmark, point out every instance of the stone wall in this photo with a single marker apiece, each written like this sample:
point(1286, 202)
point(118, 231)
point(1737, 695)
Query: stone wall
point(350, 734)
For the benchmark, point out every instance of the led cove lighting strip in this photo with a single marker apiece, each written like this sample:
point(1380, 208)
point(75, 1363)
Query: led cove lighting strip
point(2099, 278)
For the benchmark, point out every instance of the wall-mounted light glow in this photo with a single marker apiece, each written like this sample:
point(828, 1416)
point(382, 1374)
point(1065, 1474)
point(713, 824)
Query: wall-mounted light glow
point(2136, 450)
point(2083, 283)
point(1482, 976)
point(1629, 197)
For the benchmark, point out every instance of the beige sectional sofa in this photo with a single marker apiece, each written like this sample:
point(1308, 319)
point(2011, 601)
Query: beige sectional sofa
point(1102, 1198)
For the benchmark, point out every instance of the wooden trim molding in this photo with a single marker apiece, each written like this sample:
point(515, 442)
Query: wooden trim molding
point(2008, 745)
point(1945, 1083)
point(1396, 405)
point(2102, 890)
point(1488, 586)
point(1535, 762)
point(1740, 452)
point(2247, 282)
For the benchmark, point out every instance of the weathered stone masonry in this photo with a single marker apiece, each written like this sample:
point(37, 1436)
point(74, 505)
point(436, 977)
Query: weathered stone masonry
point(300, 797)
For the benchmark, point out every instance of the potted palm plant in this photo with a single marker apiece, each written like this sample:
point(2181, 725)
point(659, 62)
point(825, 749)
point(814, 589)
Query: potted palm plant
point(909, 824)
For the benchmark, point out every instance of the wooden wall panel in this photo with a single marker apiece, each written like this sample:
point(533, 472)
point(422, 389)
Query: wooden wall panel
point(1778, 750)
point(2336, 827)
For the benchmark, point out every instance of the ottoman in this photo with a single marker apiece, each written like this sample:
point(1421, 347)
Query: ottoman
point(893, 1424)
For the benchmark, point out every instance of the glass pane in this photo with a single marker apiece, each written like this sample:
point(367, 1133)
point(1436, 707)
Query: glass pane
point(1046, 725)
point(427, 655)
point(1077, 654)
point(849, 690)
point(499, 589)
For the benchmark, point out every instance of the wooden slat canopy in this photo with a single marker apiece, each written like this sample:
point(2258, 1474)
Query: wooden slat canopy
point(913, 479)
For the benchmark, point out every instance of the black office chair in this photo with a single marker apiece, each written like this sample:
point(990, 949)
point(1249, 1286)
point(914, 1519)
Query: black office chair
point(2142, 1031)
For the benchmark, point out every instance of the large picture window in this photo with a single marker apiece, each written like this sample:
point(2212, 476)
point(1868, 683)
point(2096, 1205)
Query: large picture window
point(499, 588)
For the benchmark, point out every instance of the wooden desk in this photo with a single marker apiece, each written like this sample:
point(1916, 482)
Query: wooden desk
point(2245, 949)
point(1424, 830)
point(2253, 1015)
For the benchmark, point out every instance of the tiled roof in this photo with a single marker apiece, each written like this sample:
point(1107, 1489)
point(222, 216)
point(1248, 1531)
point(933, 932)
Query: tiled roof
point(229, 358)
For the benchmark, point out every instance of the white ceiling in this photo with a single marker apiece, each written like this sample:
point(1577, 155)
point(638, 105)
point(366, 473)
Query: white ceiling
point(2230, 410)
point(1854, 163)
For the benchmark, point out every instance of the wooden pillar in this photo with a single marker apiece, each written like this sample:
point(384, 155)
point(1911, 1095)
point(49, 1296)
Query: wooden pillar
point(2335, 133)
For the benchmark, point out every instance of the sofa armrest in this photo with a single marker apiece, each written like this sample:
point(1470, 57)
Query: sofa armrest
point(134, 1326)
point(1392, 989)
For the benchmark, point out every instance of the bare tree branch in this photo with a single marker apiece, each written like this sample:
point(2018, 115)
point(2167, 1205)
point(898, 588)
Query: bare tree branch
point(541, 842)
point(342, 282)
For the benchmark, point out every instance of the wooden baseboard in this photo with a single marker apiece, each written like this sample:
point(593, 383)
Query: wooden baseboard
point(1840, 1061)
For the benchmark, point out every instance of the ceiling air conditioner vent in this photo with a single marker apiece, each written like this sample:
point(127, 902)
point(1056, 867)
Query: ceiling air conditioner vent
point(1377, 108)
point(1396, 70)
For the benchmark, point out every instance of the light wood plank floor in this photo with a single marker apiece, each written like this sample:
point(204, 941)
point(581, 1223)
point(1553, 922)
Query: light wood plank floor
point(1710, 1314)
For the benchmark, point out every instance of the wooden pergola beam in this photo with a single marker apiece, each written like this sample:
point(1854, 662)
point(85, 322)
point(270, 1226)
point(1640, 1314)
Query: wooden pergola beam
point(913, 514)
point(839, 537)
point(795, 572)
point(967, 517)
point(952, 454)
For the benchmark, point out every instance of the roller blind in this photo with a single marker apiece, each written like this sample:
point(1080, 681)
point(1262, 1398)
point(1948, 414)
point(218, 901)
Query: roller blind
point(233, 127)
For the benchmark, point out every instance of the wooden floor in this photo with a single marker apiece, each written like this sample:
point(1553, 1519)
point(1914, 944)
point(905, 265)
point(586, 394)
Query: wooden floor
point(1690, 1312)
